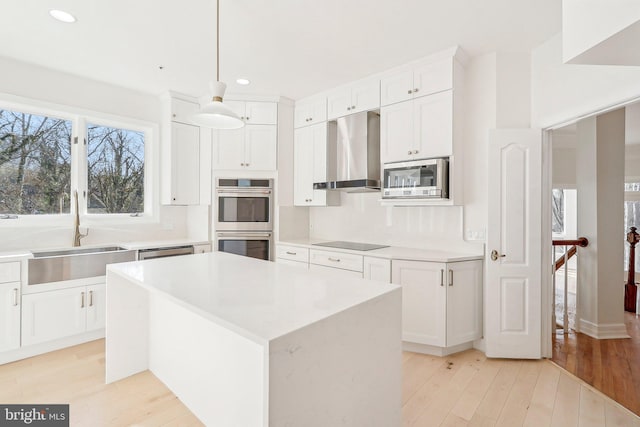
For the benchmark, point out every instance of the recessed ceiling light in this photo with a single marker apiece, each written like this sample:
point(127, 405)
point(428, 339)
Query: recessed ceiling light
point(243, 81)
point(62, 16)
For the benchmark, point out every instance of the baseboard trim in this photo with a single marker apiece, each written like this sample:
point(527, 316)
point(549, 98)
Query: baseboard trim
point(46, 347)
point(434, 350)
point(603, 331)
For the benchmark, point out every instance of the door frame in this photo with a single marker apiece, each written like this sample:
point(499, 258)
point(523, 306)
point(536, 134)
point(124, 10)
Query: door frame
point(548, 299)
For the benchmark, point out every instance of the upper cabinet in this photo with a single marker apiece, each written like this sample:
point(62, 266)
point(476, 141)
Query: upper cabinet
point(417, 129)
point(416, 81)
point(310, 111)
point(310, 165)
point(255, 112)
point(360, 96)
point(180, 152)
point(253, 147)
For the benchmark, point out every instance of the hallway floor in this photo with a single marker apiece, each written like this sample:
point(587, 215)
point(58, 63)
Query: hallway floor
point(610, 366)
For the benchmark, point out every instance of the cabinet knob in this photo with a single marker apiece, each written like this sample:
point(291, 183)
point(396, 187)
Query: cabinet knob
point(409, 91)
point(174, 115)
point(415, 90)
point(246, 164)
point(353, 107)
point(409, 152)
point(416, 152)
point(348, 108)
point(241, 164)
point(247, 118)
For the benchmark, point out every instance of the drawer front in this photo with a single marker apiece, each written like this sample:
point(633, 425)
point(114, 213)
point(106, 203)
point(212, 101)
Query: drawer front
point(336, 260)
point(10, 272)
point(292, 253)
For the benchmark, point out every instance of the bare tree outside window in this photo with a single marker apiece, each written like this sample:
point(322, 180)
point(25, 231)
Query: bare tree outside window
point(35, 164)
point(557, 209)
point(115, 170)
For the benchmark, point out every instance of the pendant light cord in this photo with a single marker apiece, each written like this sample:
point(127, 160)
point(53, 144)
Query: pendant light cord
point(218, 40)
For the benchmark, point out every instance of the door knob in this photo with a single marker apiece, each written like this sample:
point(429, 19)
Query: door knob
point(495, 255)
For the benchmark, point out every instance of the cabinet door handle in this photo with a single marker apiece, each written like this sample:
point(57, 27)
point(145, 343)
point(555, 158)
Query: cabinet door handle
point(291, 253)
point(450, 277)
point(441, 277)
point(334, 259)
point(90, 298)
point(15, 297)
point(82, 300)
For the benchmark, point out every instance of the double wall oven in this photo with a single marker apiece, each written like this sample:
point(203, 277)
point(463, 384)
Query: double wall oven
point(243, 217)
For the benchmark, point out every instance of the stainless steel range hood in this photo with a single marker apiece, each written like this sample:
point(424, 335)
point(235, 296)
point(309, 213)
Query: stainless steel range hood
point(353, 154)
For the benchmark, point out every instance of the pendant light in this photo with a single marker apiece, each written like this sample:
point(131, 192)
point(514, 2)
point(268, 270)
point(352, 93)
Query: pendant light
point(215, 114)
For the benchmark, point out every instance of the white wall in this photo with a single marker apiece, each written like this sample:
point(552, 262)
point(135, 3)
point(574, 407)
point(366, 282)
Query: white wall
point(561, 92)
point(600, 174)
point(74, 93)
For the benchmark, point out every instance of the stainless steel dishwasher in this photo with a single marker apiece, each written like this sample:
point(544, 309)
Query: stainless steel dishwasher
point(152, 253)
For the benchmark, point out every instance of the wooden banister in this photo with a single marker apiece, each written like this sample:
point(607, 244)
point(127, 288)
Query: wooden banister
point(560, 261)
point(583, 242)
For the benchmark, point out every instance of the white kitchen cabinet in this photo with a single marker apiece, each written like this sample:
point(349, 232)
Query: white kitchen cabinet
point(333, 259)
point(417, 129)
point(377, 269)
point(441, 302)
point(201, 249)
point(310, 165)
point(334, 272)
point(253, 147)
point(310, 111)
point(283, 261)
point(180, 170)
point(292, 253)
point(61, 313)
point(255, 112)
point(360, 96)
point(417, 80)
point(9, 315)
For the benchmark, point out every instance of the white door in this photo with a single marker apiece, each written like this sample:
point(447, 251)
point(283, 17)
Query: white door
point(433, 125)
point(229, 149)
point(424, 301)
point(303, 166)
point(185, 162)
point(396, 132)
point(464, 302)
point(514, 231)
point(260, 147)
point(96, 304)
point(9, 316)
point(56, 314)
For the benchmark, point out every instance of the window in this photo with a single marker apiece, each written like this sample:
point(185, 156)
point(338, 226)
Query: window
point(45, 158)
point(115, 170)
point(557, 209)
point(35, 164)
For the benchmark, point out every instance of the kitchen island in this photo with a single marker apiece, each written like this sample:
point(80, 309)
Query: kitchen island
point(245, 342)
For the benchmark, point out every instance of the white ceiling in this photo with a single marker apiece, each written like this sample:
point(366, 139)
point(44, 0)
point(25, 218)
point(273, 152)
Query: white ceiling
point(292, 48)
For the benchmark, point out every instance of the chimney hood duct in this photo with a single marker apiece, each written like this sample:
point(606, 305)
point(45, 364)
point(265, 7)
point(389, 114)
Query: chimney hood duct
point(353, 154)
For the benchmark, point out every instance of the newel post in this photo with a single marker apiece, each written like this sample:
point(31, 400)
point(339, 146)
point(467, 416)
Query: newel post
point(630, 288)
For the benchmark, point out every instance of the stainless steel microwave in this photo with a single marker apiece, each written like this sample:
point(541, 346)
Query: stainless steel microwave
point(417, 179)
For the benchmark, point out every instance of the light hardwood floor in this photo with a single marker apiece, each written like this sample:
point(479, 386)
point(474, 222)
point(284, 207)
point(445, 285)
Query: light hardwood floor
point(463, 389)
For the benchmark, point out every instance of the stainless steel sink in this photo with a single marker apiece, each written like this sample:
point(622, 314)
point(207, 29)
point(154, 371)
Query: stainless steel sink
point(74, 263)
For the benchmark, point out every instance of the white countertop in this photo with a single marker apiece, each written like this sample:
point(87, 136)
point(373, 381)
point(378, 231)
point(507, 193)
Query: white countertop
point(259, 299)
point(161, 243)
point(391, 252)
point(15, 256)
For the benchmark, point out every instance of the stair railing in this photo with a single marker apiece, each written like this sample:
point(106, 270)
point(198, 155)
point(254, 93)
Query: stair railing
point(570, 249)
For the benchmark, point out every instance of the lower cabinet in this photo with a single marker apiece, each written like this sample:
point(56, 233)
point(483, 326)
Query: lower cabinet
point(9, 316)
point(57, 314)
point(377, 269)
point(441, 302)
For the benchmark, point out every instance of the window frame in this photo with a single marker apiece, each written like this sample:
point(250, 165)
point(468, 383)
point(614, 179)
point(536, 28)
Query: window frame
point(79, 164)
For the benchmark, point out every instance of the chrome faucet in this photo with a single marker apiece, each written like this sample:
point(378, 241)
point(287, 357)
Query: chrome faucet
point(77, 235)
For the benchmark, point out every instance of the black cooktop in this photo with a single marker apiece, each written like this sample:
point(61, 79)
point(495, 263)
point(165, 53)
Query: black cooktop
point(354, 246)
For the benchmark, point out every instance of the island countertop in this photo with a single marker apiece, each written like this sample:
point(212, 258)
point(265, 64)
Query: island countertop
point(260, 300)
